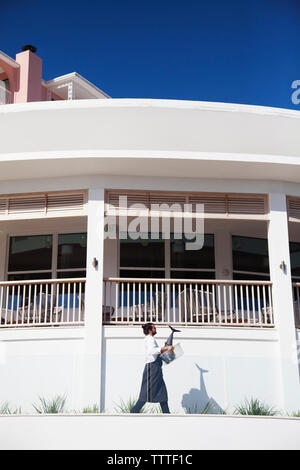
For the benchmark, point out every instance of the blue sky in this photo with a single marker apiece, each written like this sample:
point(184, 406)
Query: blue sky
point(245, 51)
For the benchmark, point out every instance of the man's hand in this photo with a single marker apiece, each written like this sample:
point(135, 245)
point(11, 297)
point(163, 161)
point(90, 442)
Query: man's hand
point(166, 348)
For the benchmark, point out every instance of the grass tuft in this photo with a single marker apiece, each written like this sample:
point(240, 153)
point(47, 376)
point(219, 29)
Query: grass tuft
point(256, 408)
point(54, 405)
point(6, 410)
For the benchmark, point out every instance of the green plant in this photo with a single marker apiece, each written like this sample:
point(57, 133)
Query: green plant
point(6, 410)
point(154, 409)
point(54, 405)
point(255, 407)
point(91, 409)
point(208, 408)
point(126, 406)
point(295, 414)
point(192, 410)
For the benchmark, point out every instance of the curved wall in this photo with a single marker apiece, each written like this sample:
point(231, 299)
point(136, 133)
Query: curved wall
point(149, 137)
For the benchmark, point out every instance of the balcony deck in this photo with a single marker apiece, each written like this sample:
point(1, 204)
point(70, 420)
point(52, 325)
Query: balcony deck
point(130, 301)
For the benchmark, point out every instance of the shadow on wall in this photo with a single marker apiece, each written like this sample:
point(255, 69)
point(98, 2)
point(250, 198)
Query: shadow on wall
point(198, 400)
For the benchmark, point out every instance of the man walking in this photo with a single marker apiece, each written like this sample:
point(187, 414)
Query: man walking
point(153, 388)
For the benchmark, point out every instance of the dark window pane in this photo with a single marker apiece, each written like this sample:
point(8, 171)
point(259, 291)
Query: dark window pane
point(142, 253)
point(192, 275)
point(295, 258)
point(30, 253)
point(70, 275)
point(250, 254)
point(71, 250)
point(29, 276)
point(250, 277)
point(182, 258)
point(142, 274)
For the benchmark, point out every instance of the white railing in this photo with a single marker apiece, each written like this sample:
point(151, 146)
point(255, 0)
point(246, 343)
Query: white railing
point(188, 302)
point(5, 95)
point(42, 303)
point(296, 298)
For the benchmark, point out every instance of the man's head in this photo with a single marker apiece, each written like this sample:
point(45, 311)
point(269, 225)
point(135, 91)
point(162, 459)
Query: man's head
point(149, 329)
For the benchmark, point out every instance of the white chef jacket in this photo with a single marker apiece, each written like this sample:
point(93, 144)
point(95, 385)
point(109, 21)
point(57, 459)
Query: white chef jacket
point(152, 350)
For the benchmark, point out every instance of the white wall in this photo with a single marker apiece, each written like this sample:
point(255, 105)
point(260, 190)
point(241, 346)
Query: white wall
point(41, 362)
point(117, 432)
point(153, 137)
point(240, 363)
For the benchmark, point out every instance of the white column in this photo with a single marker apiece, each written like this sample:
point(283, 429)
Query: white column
point(93, 298)
point(278, 243)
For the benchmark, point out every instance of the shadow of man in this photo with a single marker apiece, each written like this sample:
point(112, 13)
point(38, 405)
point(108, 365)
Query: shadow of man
point(198, 400)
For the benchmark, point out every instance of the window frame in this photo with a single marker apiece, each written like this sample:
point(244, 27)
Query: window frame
point(250, 273)
point(54, 269)
point(166, 269)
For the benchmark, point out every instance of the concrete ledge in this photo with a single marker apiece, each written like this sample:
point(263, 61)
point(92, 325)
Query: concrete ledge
point(141, 432)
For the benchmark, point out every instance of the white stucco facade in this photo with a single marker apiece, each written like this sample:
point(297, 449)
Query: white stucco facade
point(149, 145)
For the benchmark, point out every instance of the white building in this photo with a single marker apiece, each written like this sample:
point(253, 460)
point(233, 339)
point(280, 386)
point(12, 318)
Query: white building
point(72, 304)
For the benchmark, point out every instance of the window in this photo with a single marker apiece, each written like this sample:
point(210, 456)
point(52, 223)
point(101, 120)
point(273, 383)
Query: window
point(166, 259)
point(192, 264)
point(33, 257)
point(4, 91)
point(142, 258)
point(71, 253)
point(250, 258)
point(30, 257)
point(295, 260)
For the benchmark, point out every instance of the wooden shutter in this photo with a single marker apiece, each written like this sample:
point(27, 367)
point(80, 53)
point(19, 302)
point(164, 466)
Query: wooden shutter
point(216, 205)
point(43, 205)
point(293, 209)
point(246, 205)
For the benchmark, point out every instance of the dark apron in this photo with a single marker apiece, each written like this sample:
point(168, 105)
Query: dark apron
point(153, 387)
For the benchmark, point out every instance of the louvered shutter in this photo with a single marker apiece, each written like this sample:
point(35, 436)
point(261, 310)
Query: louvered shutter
point(3, 203)
point(293, 207)
point(26, 205)
point(65, 202)
point(252, 205)
point(43, 205)
point(212, 204)
point(215, 205)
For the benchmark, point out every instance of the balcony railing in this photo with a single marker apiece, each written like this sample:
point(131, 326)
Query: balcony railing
point(54, 302)
point(188, 302)
point(5, 95)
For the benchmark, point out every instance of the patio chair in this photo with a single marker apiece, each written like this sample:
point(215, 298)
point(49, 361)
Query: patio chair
point(140, 308)
point(196, 306)
point(241, 314)
point(44, 310)
point(23, 313)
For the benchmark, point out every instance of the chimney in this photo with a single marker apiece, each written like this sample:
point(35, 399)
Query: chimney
point(30, 88)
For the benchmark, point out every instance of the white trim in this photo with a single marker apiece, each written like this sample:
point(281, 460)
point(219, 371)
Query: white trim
point(76, 78)
point(159, 103)
point(9, 60)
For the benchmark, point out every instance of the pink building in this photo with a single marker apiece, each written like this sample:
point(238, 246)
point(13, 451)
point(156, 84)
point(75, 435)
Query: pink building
point(21, 81)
